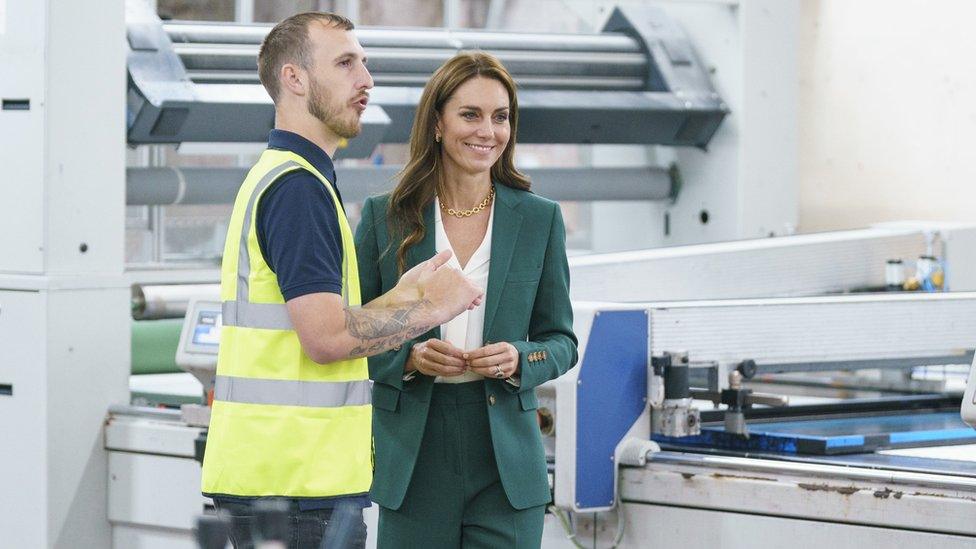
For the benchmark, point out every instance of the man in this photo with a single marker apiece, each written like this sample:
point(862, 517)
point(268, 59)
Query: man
point(291, 413)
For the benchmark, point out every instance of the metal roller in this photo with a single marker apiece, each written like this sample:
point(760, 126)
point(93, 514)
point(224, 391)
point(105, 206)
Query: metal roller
point(168, 301)
point(401, 67)
point(153, 349)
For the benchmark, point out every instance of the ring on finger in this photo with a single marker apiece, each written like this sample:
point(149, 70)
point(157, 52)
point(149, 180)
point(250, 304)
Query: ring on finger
point(498, 372)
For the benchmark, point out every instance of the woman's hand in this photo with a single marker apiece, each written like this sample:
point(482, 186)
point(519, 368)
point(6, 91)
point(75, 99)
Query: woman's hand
point(497, 360)
point(435, 357)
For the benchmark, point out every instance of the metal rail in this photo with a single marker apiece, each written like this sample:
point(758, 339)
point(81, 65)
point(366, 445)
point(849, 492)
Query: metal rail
point(816, 470)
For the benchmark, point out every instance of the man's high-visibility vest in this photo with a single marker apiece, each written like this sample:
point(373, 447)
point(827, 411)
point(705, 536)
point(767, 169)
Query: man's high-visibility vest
point(281, 424)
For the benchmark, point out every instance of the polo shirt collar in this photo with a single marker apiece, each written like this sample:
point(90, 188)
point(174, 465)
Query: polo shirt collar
point(290, 141)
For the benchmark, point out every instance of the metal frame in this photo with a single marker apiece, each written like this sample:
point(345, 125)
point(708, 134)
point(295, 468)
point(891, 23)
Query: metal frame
point(813, 264)
point(807, 331)
point(639, 82)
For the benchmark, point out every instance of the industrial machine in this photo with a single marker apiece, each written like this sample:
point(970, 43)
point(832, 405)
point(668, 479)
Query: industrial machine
point(155, 452)
point(826, 417)
point(833, 413)
point(660, 75)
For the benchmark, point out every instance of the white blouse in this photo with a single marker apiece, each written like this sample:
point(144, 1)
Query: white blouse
point(465, 331)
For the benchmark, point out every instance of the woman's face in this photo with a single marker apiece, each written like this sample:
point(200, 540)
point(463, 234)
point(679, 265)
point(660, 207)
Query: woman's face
point(474, 126)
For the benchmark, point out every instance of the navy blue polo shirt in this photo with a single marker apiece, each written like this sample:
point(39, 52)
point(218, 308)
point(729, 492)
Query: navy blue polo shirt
point(298, 232)
point(297, 226)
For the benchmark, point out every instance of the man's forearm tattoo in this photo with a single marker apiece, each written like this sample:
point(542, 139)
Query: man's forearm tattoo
point(381, 328)
point(368, 324)
point(372, 347)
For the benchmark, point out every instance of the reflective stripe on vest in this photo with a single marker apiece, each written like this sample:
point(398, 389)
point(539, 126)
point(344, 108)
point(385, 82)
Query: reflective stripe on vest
point(267, 316)
point(277, 392)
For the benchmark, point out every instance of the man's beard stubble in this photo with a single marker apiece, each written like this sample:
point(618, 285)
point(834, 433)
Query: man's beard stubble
point(319, 106)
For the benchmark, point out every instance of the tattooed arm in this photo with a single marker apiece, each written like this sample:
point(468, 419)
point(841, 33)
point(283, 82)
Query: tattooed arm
point(329, 331)
point(432, 295)
point(380, 329)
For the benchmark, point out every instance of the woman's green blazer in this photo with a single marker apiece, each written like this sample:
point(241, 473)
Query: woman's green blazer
point(527, 304)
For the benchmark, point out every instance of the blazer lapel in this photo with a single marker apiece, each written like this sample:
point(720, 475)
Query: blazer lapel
point(424, 250)
point(505, 230)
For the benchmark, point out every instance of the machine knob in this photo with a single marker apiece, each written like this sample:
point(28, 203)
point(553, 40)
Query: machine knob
point(747, 368)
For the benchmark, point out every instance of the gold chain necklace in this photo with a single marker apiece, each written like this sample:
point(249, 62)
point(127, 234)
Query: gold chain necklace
point(461, 214)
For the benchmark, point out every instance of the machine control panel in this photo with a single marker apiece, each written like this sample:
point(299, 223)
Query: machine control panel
point(200, 340)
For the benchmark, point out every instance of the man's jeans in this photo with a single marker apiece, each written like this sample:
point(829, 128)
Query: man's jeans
point(338, 528)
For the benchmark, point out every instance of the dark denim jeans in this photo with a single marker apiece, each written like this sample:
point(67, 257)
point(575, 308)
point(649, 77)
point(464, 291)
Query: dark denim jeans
point(338, 528)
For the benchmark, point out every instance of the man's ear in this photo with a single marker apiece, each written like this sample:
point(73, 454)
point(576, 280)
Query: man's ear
point(293, 78)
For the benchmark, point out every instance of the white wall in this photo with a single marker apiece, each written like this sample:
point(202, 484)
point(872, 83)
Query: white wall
point(887, 112)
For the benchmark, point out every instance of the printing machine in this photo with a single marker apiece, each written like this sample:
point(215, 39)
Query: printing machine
point(828, 416)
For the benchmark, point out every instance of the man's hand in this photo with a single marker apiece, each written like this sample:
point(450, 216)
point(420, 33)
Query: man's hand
point(497, 360)
point(435, 357)
point(407, 285)
point(449, 292)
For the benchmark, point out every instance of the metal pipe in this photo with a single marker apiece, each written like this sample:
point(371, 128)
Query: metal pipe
point(168, 186)
point(186, 32)
point(149, 186)
point(168, 301)
point(589, 83)
point(962, 357)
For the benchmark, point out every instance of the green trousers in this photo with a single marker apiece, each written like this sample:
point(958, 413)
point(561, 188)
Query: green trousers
point(455, 498)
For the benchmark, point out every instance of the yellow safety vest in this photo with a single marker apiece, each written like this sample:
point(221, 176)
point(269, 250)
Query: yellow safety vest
point(281, 424)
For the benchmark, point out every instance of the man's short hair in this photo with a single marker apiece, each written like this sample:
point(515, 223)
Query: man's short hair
point(288, 43)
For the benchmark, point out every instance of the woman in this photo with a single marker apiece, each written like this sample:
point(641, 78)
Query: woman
point(459, 459)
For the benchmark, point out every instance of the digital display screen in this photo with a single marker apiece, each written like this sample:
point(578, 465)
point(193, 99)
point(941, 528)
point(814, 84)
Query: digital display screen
point(207, 329)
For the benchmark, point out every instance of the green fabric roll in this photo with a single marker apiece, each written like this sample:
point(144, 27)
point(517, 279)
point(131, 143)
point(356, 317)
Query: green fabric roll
point(154, 344)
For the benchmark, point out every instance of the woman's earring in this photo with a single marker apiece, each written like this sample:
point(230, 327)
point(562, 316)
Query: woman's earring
point(437, 137)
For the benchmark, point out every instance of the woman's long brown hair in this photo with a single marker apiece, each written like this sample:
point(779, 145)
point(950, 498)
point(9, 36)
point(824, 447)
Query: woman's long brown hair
point(418, 181)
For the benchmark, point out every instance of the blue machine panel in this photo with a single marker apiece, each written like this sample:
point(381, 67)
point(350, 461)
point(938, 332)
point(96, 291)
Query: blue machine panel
point(838, 436)
point(610, 396)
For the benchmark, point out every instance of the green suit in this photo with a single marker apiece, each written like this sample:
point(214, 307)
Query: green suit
point(527, 304)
